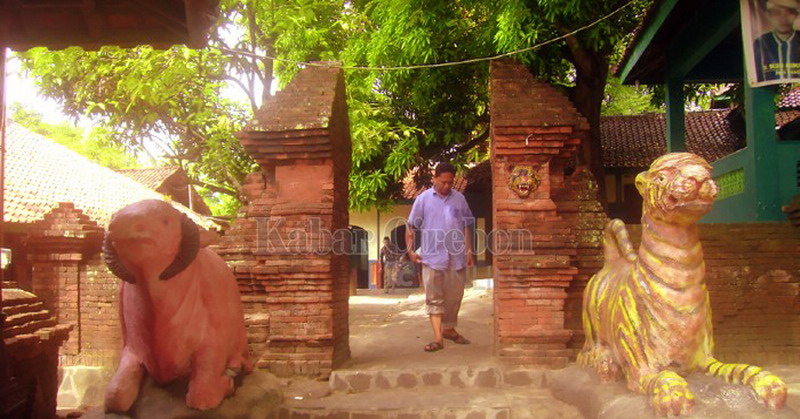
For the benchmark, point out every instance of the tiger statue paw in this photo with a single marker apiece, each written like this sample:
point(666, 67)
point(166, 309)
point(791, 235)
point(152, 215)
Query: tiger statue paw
point(671, 395)
point(770, 389)
point(602, 360)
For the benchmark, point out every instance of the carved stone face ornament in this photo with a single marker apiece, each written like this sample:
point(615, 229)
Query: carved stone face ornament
point(524, 179)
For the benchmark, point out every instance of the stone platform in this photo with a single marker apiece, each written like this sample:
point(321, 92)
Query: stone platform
point(390, 376)
point(714, 397)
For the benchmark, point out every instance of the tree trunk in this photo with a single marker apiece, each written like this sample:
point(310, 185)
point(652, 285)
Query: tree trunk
point(591, 72)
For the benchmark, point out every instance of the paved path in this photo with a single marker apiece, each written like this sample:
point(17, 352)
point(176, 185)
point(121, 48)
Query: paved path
point(390, 376)
point(390, 331)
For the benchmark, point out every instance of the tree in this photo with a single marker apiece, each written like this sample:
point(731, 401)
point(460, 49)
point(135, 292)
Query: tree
point(588, 52)
point(171, 100)
point(440, 113)
point(628, 100)
point(401, 119)
point(407, 119)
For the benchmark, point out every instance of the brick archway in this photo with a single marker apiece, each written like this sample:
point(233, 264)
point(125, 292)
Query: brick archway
point(296, 293)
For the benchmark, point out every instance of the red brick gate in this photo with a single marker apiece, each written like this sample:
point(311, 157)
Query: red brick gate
point(289, 246)
point(535, 131)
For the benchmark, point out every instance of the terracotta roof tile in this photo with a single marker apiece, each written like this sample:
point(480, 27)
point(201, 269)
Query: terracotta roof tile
point(790, 100)
point(40, 174)
point(153, 178)
point(637, 140)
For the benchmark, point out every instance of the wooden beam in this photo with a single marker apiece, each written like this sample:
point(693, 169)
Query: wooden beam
point(95, 23)
point(172, 18)
point(200, 14)
point(675, 113)
point(663, 10)
point(689, 47)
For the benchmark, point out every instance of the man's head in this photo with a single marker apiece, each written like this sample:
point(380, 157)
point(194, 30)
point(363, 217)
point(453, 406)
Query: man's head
point(781, 15)
point(385, 241)
point(443, 177)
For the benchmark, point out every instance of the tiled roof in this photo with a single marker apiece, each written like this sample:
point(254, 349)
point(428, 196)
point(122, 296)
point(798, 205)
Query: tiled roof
point(790, 99)
point(784, 117)
point(40, 174)
point(637, 140)
point(153, 178)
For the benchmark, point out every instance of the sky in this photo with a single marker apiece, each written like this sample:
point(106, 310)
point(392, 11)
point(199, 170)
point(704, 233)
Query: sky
point(20, 88)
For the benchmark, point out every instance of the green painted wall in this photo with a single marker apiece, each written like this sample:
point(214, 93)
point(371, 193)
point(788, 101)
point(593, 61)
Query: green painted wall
point(770, 166)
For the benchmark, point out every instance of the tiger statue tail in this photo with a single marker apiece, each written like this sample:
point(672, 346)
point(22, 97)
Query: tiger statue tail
point(617, 249)
point(769, 388)
point(617, 243)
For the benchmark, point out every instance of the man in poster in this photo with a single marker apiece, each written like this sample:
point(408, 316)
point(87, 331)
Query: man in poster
point(777, 52)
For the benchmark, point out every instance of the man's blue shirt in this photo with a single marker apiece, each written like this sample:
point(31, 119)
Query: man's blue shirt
point(441, 221)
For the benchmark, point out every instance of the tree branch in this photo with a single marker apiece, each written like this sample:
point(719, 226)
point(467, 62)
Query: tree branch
point(246, 90)
point(213, 188)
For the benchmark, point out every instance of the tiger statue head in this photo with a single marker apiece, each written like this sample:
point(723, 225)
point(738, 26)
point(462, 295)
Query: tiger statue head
point(524, 179)
point(677, 188)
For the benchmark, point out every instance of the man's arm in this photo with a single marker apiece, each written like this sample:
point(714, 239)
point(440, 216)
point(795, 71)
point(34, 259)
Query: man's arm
point(412, 255)
point(414, 217)
point(469, 225)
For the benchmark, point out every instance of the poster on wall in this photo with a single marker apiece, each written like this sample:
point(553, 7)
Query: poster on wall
point(771, 41)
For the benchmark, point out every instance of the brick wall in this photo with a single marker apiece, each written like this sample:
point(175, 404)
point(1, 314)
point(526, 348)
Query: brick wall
point(31, 338)
point(293, 271)
point(753, 279)
point(578, 205)
point(68, 274)
point(101, 331)
point(534, 257)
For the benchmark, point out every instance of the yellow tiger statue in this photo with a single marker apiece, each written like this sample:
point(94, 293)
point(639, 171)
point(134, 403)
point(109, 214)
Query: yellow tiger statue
point(646, 314)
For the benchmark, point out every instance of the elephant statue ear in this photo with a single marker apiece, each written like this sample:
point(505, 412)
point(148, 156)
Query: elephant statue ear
point(114, 264)
point(190, 245)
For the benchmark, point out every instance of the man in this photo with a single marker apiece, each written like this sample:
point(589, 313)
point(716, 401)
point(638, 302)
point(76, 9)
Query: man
point(444, 219)
point(777, 52)
point(390, 256)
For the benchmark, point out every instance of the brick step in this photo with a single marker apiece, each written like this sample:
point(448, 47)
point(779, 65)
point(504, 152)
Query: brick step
point(22, 318)
point(30, 327)
point(354, 381)
point(486, 403)
point(12, 309)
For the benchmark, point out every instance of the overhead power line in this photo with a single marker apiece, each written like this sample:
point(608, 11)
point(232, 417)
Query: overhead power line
point(432, 65)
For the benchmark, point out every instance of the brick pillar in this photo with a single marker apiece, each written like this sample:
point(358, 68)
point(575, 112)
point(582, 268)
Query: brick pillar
point(579, 205)
point(535, 128)
point(57, 246)
point(289, 246)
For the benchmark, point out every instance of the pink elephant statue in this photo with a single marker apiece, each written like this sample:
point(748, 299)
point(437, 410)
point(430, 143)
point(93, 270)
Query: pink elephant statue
point(180, 308)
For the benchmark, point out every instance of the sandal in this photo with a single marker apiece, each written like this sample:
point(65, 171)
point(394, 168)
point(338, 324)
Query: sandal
point(457, 338)
point(433, 347)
